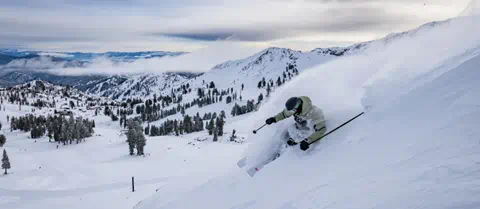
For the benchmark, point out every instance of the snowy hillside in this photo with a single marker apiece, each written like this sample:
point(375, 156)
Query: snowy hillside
point(141, 85)
point(95, 173)
point(416, 147)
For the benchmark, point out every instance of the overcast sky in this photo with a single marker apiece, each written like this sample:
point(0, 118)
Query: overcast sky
point(188, 25)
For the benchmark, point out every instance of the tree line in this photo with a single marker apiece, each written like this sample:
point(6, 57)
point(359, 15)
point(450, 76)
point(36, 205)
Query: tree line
point(58, 128)
point(214, 124)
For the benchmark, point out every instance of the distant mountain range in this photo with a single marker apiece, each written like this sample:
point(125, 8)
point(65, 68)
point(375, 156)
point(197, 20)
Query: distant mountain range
point(18, 67)
point(82, 56)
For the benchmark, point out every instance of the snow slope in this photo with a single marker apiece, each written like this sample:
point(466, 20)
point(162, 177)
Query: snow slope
point(417, 146)
point(97, 173)
point(135, 86)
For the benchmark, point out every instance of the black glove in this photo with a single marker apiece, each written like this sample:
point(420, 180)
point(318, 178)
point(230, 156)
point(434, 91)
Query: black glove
point(291, 142)
point(304, 145)
point(270, 121)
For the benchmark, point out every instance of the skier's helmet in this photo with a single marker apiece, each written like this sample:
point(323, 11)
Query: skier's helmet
point(293, 104)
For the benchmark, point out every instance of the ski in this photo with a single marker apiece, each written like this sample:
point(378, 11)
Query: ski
point(242, 162)
point(253, 170)
point(256, 168)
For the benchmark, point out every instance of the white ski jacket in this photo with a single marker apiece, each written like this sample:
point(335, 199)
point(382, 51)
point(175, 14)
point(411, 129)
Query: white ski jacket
point(309, 113)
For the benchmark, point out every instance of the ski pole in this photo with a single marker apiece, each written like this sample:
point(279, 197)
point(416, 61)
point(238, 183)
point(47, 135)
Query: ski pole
point(338, 127)
point(255, 131)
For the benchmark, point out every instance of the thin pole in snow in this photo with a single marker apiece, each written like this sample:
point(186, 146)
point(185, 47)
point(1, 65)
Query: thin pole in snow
point(133, 184)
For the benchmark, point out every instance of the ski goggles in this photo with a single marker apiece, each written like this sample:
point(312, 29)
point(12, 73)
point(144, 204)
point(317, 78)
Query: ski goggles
point(294, 110)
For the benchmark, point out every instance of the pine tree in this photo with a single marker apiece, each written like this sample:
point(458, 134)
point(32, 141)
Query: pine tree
point(5, 162)
point(147, 130)
point(131, 137)
point(279, 82)
point(141, 142)
point(215, 135)
point(234, 111)
point(3, 140)
point(250, 106)
point(63, 133)
point(260, 98)
point(180, 127)
point(153, 131)
point(175, 128)
point(77, 128)
point(211, 126)
point(71, 129)
point(113, 117)
point(187, 123)
point(269, 89)
point(219, 126)
point(106, 111)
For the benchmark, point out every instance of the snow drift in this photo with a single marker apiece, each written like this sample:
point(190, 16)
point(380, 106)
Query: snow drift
point(417, 146)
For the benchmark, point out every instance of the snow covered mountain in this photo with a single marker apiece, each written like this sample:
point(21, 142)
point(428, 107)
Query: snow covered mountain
point(136, 86)
point(416, 146)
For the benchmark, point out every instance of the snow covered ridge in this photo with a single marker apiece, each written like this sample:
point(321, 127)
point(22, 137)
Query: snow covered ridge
point(416, 147)
point(273, 54)
point(141, 85)
point(47, 94)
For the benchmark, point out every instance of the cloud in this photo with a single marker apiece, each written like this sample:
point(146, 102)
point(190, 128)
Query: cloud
point(32, 64)
point(55, 54)
point(203, 36)
point(187, 24)
point(197, 61)
point(332, 20)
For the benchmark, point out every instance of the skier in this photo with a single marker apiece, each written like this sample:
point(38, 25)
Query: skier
point(306, 115)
